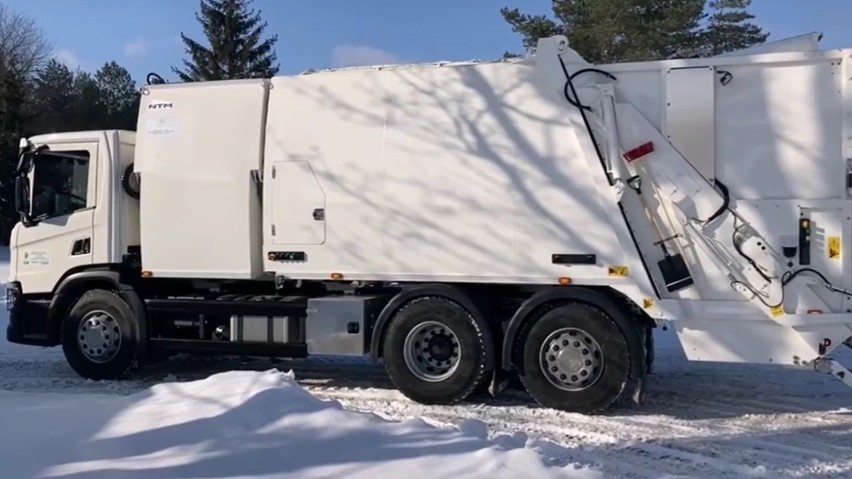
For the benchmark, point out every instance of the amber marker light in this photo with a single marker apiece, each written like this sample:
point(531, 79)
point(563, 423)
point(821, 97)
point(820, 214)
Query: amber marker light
point(564, 281)
point(336, 276)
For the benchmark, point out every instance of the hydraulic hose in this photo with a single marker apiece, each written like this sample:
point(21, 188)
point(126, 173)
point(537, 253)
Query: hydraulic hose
point(125, 183)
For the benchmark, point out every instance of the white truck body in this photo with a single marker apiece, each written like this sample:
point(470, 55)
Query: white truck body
point(488, 174)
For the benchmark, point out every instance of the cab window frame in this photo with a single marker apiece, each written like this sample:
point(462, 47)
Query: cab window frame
point(68, 180)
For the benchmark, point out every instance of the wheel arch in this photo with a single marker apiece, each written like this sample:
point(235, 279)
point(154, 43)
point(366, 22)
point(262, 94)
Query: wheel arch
point(452, 293)
point(608, 301)
point(75, 284)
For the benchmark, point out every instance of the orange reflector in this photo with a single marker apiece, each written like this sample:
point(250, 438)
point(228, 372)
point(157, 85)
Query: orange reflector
point(564, 281)
point(639, 152)
point(337, 276)
point(814, 311)
point(147, 274)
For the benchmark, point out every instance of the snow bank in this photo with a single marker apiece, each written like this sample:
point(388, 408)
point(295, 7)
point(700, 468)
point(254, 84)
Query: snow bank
point(248, 424)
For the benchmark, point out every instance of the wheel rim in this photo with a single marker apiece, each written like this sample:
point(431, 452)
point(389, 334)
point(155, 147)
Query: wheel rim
point(99, 336)
point(432, 351)
point(571, 359)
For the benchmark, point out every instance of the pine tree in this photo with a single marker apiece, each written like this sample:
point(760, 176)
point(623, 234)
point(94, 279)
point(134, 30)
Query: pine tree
point(669, 29)
point(119, 97)
point(236, 49)
point(12, 94)
point(730, 27)
point(53, 99)
point(89, 112)
point(606, 31)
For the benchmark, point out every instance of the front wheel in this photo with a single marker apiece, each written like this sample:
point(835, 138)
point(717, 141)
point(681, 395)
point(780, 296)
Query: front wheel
point(435, 352)
point(98, 336)
point(575, 358)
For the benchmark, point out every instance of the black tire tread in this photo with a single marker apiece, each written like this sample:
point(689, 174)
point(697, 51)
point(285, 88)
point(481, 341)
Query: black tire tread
point(412, 307)
point(89, 370)
point(532, 375)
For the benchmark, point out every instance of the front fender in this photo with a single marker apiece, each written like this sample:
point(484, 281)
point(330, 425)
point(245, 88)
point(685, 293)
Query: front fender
point(75, 284)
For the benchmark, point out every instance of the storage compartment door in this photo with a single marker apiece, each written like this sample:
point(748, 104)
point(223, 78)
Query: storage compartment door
point(298, 204)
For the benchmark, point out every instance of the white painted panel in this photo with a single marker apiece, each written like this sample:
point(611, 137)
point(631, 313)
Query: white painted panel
point(779, 131)
point(690, 116)
point(196, 149)
point(460, 172)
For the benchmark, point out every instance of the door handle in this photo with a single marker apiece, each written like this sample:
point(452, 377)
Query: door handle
point(81, 247)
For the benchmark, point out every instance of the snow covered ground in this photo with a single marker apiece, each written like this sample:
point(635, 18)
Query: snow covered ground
point(228, 418)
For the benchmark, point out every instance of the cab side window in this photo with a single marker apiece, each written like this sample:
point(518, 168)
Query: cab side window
point(60, 183)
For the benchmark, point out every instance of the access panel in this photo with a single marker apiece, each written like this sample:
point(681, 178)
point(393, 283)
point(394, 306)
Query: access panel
point(298, 205)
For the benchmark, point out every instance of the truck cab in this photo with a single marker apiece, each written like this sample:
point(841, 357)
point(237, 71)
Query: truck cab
point(75, 217)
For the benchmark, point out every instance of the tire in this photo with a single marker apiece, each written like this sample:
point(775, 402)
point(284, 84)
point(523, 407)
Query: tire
point(104, 324)
point(453, 331)
point(584, 337)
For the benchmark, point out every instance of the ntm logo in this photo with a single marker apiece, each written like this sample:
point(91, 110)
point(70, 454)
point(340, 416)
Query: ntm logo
point(160, 105)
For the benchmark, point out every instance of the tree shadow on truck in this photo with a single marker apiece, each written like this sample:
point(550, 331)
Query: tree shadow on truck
point(485, 131)
point(453, 221)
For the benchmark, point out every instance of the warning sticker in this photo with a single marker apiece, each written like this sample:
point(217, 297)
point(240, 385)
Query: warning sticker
point(834, 247)
point(777, 311)
point(620, 271)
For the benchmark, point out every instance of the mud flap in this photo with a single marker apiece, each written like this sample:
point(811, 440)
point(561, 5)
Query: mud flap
point(499, 382)
point(640, 382)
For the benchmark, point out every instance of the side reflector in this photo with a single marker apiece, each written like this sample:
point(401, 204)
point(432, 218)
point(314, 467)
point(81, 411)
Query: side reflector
point(564, 281)
point(147, 274)
point(336, 276)
point(639, 152)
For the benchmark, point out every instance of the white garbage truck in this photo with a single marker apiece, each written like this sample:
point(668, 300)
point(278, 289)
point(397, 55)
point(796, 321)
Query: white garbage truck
point(463, 223)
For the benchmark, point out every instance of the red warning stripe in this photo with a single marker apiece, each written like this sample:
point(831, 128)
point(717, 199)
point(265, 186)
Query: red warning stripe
point(639, 152)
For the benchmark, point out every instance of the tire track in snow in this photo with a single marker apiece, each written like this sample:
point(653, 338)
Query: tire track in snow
point(700, 420)
point(618, 449)
point(742, 429)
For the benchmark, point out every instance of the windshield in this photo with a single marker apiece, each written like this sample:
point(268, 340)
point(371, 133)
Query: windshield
point(60, 183)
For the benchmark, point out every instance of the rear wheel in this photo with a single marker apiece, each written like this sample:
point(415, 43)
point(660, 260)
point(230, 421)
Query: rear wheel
point(575, 358)
point(434, 351)
point(98, 336)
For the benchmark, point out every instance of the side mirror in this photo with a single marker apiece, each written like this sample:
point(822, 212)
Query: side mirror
point(22, 198)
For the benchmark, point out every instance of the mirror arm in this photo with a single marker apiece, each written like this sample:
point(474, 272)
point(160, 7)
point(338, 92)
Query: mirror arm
point(23, 202)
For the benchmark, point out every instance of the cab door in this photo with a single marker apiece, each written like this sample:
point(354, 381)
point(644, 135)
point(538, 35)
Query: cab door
point(63, 183)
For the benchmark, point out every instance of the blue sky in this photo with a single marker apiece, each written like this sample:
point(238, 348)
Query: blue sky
point(143, 35)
